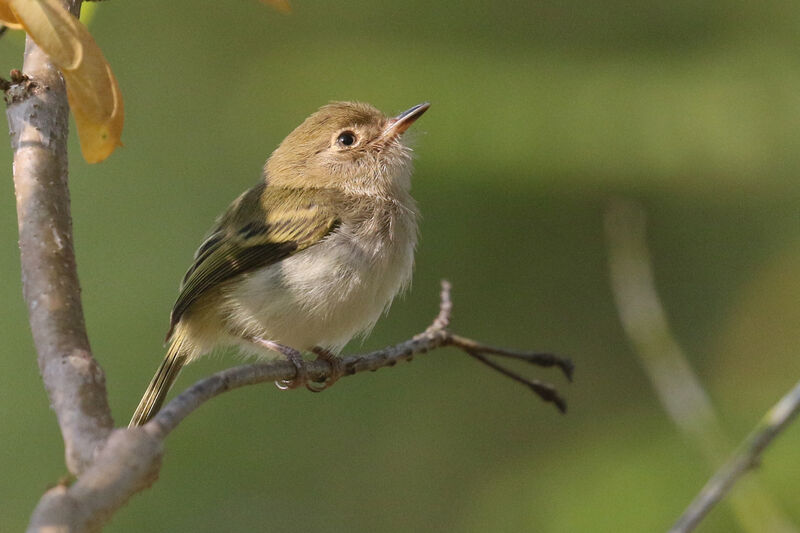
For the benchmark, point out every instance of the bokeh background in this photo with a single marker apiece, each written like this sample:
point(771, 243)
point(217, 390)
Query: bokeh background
point(541, 113)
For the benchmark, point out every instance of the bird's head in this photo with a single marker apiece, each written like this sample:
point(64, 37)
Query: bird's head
point(349, 146)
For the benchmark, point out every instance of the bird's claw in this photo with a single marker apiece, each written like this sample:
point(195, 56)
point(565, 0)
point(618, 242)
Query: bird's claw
point(337, 370)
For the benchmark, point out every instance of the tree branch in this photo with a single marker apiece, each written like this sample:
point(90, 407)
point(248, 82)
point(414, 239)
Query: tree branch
point(75, 383)
point(678, 388)
point(130, 461)
point(435, 336)
point(127, 464)
point(746, 457)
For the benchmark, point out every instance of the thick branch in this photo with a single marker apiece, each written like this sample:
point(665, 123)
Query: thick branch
point(75, 383)
point(130, 461)
point(127, 464)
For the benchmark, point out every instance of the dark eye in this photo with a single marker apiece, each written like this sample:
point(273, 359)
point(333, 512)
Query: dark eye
point(346, 138)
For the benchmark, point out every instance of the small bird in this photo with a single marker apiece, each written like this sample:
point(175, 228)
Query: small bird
point(308, 258)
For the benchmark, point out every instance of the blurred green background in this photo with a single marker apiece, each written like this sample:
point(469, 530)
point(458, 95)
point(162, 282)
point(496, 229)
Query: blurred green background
point(541, 112)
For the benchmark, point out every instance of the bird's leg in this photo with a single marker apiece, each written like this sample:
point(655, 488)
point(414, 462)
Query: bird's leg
point(337, 370)
point(294, 357)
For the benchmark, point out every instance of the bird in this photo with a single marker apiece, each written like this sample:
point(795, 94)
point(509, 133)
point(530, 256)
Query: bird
point(309, 257)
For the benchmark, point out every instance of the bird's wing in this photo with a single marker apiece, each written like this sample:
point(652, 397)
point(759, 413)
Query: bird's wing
point(260, 228)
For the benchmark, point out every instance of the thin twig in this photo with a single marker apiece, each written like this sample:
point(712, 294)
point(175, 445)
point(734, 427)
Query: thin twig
point(535, 358)
point(435, 336)
point(442, 320)
point(677, 386)
point(545, 391)
point(746, 457)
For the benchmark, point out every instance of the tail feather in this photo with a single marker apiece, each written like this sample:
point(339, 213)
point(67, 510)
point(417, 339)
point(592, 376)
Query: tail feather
point(159, 386)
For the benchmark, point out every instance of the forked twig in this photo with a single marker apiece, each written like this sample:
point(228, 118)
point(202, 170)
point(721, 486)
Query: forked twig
point(542, 359)
point(545, 391)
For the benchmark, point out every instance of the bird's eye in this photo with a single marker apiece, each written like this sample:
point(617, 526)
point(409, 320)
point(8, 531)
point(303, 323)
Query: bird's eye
point(346, 138)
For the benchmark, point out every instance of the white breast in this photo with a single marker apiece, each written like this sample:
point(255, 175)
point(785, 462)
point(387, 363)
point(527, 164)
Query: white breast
point(330, 292)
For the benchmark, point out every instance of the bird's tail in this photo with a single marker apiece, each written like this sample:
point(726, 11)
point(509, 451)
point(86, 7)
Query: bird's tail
point(166, 375)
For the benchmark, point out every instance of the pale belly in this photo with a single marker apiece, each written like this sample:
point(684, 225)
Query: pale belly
point(324, 295)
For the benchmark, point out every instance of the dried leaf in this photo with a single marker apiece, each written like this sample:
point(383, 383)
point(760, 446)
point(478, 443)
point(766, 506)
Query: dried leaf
point(92, 90)
point(53, 29)
point(99, 130)
point(8, 18)
point(279, 5)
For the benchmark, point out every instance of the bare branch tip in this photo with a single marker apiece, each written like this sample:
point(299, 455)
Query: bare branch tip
point(545, 391)
point(442, 320)
point(567, 367)
point(548, 393)
point(445, 299)
point(544, 359)
point(562, 406)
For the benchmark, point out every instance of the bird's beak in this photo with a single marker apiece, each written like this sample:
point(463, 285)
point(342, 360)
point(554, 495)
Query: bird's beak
point(397, 125)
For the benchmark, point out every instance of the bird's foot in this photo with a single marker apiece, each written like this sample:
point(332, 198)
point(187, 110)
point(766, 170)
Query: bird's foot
point(294, 357)
point(337, 370)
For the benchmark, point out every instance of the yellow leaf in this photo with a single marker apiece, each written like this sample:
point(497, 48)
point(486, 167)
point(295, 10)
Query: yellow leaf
point(279, 5)
point(99, 131)
point(50, 25)
point(8, 18)
point(92, 90)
